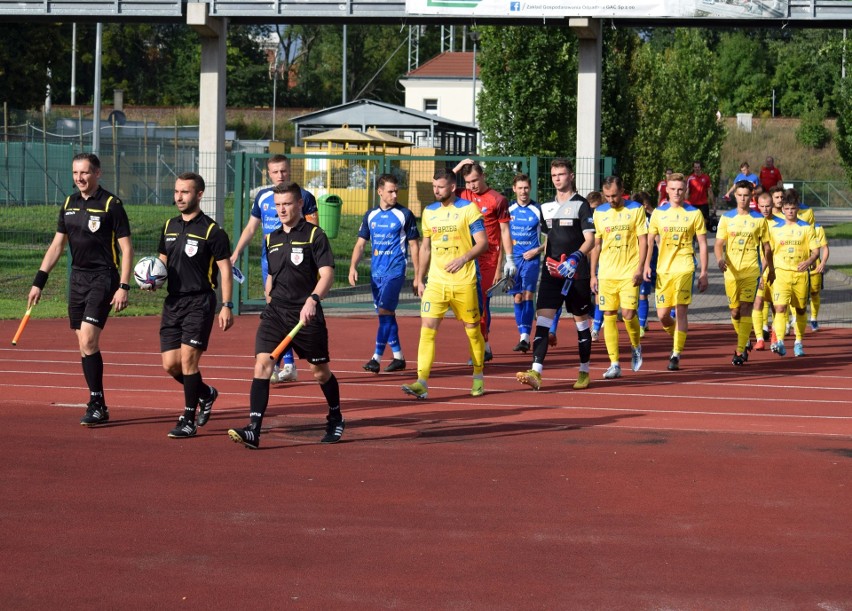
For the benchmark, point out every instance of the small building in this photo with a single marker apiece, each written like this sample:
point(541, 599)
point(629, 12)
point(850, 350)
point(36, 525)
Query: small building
point(445, 86)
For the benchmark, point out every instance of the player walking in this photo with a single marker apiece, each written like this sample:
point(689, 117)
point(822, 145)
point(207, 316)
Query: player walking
point(795, 248)
point(495, 215)
point(675, 224)
point(760, 311)
point(389, 228)
point(743, 234)
point(263, 215)
point(301, 273)
point(525, 227)
point(453, 237)
point(570, 238)
point(94, 224)
point(816, 275)
point(619, 258)
point(196, 251)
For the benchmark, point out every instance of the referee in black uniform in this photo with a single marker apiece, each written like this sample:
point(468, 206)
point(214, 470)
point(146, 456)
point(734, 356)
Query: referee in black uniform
point(190, 244)
point(94, 223)
point(301, 272)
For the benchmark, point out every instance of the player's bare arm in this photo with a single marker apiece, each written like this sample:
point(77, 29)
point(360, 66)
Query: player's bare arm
point(226, 317)
point(703, 281)
point(414, 250)
point(51, 257)
point(719, 251)
point(806, 264)
point(643, 250)
point(119, 299)
point(357, 253)
point(245, 237)
point(323, 286)
point(649, 252)
point(480, 245)
point(594, 257)
point(823, 259)
point(420, 274)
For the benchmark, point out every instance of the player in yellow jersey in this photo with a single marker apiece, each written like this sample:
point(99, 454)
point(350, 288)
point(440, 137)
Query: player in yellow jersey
point(453, 236)
point(617, 262)
point(794, 248)
point(760, 311)
point(742, 234)
point(817, 274)
point(674, 225)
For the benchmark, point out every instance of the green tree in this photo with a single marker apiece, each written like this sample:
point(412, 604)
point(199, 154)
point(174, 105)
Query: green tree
point(619, 113)
point(843, 137)
point(807, 71)
point(529, 100)
point(744, 73)
point(677, 104)
point(27, 51)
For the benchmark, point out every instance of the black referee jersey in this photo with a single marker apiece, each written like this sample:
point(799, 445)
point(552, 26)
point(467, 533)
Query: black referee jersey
point(565, 230)
point(93, 227)
point(192, 248)
point(294, 262)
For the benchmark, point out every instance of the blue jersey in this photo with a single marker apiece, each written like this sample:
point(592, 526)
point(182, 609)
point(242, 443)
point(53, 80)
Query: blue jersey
point(264, 209)
point(389, 231)
point(524, 226)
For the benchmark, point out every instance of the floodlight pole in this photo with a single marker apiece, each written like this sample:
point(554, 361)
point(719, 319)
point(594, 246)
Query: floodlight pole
point(96, 120)
point(474, 37)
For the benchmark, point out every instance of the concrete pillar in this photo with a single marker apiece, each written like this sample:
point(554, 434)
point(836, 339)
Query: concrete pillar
point(211, 107)
point(590, 67)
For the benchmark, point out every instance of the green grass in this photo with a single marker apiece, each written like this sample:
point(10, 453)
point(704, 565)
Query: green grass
point(843, 269)
point(842, 231)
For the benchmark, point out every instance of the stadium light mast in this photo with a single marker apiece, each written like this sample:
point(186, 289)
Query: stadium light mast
point(96, 122)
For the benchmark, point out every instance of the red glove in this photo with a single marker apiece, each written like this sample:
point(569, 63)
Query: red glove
point(553, 264)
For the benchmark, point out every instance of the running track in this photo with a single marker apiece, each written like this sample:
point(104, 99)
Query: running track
point(710, 488)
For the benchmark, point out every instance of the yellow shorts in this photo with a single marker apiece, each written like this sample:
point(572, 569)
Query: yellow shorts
point(765, 289)
point(673, 289)
point(790, 288)
point(740, 289)
point(615, 294)
point(816, 282)
point(463, 300)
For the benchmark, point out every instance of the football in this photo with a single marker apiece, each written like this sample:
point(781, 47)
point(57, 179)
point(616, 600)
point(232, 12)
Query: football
point(150, 273)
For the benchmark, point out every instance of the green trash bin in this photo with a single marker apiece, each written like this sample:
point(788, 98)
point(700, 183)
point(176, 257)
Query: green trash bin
point(329, 207)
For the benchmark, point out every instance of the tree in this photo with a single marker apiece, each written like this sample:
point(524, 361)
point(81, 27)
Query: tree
point(843, 138)
point(27, 51)
point(677, 104)
point(744, 72)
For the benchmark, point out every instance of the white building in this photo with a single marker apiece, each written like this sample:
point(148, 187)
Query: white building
point(444, 86)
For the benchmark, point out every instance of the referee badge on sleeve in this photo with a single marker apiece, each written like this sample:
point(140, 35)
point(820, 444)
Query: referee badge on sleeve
point(297, 256)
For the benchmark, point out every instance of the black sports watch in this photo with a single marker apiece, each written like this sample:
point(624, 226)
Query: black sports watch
point(124, 286)
point(315, 297)
point(228, 304)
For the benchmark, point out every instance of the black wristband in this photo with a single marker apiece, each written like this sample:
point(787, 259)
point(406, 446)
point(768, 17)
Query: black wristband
point(124, 286)
point(40, 279)
point(315, 297)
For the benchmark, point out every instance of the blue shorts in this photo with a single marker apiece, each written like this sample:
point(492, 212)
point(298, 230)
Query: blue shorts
point(386, 291)
point(526, 279)
point(646, 288)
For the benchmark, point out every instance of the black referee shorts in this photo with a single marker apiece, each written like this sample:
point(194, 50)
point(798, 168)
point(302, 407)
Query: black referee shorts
point(187, 319)
point(310, 343)
point(89, 296)
point(578, 301)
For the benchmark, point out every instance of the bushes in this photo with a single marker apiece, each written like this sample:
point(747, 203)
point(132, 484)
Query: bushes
point(812, 131)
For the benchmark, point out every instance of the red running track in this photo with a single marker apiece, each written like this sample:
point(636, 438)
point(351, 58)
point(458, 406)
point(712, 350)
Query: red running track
point(709, 488)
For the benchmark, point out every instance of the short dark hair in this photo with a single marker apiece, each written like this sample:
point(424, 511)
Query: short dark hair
point(385, 178)
point(644, 198)
point(521, 178)
point(90, 157)
point(195, 179)
point(445, 174)
point(562, 162)
point(471, 167)
point(774, 189)
point(288, 187)
point(276, 159)
point(611, 181)
point(744, 184)
point(594, 198)
point(791, 196)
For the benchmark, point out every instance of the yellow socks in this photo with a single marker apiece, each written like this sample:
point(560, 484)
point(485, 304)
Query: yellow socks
point(610, 329)
point(426, 353)
point(477, 348)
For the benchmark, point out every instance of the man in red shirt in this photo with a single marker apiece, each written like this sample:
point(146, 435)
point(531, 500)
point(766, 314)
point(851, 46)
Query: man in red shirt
point(770, 175)
point(699, 190)
point(661, 187)
point(495, 212)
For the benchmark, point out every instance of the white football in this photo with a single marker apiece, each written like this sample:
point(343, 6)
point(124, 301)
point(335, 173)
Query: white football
point(150, 273)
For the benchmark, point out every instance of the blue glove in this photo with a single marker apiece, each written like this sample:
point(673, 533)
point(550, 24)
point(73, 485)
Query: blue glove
point(568, 267)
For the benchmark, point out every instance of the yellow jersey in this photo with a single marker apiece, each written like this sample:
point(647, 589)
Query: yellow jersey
point(676, 228)
point(744, 235)
point(618, 230)
point(805, 214)
point(791, 244)
point(450, 229)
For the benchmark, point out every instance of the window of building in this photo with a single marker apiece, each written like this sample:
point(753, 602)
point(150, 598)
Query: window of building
point(430, 106)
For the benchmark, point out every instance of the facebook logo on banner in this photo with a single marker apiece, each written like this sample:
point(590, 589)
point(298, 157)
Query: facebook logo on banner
point(514, 7)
